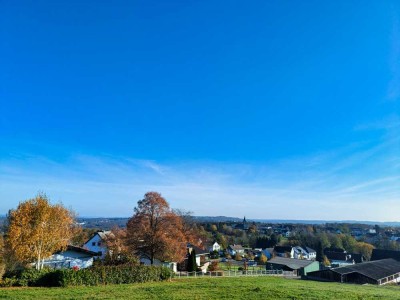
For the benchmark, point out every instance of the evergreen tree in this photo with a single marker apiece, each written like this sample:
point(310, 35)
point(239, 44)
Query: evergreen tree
point(192, 266)
point(320, 252)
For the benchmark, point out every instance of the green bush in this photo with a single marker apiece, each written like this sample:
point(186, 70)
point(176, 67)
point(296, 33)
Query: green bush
point(89, 277)
point(9, 282)
point(31, 277)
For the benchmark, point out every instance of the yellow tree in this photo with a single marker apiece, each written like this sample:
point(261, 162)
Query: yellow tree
point(364, 248)
point(156, 231)
point(37, 229)
point(263, 259)
point(2, 262)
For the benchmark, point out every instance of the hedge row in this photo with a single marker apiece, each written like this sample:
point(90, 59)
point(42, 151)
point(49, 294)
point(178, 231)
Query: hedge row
point(91, 276)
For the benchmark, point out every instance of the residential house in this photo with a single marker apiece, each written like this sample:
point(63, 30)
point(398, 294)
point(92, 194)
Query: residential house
point(284, 251)
point(312, 254)
point(97, 243)
point(339, 259)
point(72, 257)
point(235, 249)
point(201, 254)
point(215, 247)
point(145, 260)
point(304, 253)
point(268, 252)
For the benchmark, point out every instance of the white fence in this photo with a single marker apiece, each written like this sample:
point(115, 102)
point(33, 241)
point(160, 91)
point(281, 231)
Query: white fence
point(235, 273)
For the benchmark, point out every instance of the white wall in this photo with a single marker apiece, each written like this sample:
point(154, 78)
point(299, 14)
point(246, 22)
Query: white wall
point(93, 245)
point(69, 259)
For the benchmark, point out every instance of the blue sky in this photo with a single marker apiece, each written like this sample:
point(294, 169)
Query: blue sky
point(269, 109)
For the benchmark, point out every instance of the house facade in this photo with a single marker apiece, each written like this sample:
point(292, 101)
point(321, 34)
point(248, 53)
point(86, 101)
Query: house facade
point(97, 243)
point(284, 251)
point(215, 247)
point(235, 249)
point(145, 260)
point(72, 257)
point(304, 253)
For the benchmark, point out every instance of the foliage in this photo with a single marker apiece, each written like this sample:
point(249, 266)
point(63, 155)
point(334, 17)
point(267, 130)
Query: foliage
point(190, 229)
point(238, 257)
point(91, 276)
point(118, 253)
point(325, 261)
point(320, 252)
point(191, 260)
point(214, 254)
point(364, 248)
point(81, 235)
point(214, 266)
point(228, 264)
point(37, 229)
point(156, 230)
point(263, 259)
point(2, 261)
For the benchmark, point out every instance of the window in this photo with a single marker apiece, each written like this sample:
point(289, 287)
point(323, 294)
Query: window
point(93, 243)
point(98, 243)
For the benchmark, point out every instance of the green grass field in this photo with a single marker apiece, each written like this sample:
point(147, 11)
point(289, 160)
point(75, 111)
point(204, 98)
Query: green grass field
point(212, 288)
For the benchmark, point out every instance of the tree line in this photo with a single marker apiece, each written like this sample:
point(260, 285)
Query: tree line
point(36, 229)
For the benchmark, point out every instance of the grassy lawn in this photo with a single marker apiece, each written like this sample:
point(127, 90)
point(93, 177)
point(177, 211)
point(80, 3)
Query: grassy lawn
point(212, 288)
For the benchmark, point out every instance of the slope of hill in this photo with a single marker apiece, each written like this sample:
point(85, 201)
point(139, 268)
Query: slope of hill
point(212, 288)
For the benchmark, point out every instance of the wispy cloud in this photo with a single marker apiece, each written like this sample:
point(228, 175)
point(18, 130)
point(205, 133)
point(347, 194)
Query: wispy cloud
point(349, 183)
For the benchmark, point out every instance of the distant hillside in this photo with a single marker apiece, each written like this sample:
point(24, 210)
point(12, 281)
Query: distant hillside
point(102, 223)
point(277, 221)
point(216, 219)
point(105, 223)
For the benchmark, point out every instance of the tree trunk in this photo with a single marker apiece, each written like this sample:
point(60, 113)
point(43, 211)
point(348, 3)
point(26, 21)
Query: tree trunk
point(38, 262)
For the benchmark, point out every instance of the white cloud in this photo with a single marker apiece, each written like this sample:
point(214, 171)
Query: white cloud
point(349, 183)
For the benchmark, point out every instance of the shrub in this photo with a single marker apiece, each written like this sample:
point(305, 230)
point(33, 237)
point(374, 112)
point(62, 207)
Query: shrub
point(31, 277)
point(89, 277)
point(8, 282)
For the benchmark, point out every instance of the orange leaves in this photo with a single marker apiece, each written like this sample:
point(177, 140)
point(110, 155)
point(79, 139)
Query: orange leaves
point(155, 230)
point(37, 229)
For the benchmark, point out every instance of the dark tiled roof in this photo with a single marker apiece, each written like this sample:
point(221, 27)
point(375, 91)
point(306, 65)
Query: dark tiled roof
point(378, 254)
point(373, 269)
point(309, 250)
point(81, 250)
point(358, 258)
point(334, 249)
point(236, 247)
point(200, 251)
point(338, 256)
point(282, 249)
point(292, 263)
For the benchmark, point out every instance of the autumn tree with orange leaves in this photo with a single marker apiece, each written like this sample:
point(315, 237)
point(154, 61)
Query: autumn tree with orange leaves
point(156, 231)
point(37, 229)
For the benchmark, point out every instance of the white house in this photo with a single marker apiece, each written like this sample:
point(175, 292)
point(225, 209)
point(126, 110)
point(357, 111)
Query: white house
point(145, 260)
point(215, 247)
point(284, 251)
point(97, 243)
point(70, 258)
point(304, 253)
point(312, 254)
point(233, 249)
